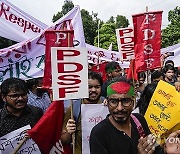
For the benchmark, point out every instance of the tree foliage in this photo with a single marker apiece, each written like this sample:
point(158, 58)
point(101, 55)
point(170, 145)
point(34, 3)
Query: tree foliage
point(108, 32)
point(171, 34)
point(121, 21)
point(107, 35)
point(68, 5)
point(90, 25)
point(4, 43)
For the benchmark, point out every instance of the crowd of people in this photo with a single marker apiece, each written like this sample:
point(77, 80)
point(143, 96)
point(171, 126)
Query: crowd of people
point(124, 130)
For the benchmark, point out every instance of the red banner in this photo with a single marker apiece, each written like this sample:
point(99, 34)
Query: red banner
point(147, 40)
point(54, 39)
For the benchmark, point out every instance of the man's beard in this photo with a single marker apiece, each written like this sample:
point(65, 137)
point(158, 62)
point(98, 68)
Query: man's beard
point(11, 106)
point(122, 120)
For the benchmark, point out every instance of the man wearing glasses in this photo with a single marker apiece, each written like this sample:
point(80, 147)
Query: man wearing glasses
point(16, 113)
point(121, 132)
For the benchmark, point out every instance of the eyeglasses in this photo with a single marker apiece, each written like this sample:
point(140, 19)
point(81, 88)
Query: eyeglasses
point(16, 96)
point(114, 102)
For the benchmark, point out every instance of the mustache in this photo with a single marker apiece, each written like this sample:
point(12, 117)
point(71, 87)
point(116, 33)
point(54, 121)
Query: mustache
point(120, 112)
point(21, 102)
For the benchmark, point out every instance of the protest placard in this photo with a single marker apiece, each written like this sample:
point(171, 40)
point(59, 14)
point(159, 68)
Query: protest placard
point(91, 115)
point(9, 142)
point(163, 109)
point(69, 73)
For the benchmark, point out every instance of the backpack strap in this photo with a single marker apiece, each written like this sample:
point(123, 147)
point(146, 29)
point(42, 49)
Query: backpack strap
point(138, 126)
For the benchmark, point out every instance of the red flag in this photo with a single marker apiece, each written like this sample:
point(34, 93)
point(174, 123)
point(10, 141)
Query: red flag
point(132, 73)
point(47, 132)
point(100, 68)
point(56, 38)
point(147, 40)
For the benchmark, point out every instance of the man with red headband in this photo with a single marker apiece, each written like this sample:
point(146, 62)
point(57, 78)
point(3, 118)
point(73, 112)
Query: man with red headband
point(121, 131)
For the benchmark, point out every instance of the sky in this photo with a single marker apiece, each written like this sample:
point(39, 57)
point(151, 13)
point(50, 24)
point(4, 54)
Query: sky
point(44, 10)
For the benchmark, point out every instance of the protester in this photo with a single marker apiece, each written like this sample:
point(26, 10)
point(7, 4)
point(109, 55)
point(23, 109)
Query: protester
point(37, 96)
point(121, 132)
point(156, 76)
point(16, 113)
point(169, 75)
point(71, 126)
point(141, 80)
point(112, 70)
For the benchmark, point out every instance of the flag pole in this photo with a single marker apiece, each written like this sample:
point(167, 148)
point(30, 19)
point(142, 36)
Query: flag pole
point(133, 80)
point(72, 117)
point(20, 144)
point(98, 43)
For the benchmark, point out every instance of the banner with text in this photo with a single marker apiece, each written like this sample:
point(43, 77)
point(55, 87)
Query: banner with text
point(147, 40)
point(16, 24)
point(91, 115)
point(26, 59)
point(69, 73)
point(12, 140)
point(163, 109)
point(125, 41)
point(54, 39)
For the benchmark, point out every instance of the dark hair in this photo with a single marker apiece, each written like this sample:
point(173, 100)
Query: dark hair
point(169, 61)
point(168, 67)
point(111, 66)
point(156, 74)
point(95, 75)
point(33, 82)
point(146, 97)
point(13, 84)
point(141, 75)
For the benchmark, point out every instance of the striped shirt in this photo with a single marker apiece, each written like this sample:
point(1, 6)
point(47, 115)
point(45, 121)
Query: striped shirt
point(42, 102)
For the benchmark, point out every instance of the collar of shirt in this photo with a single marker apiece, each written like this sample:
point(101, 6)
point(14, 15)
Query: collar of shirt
point(34, 96)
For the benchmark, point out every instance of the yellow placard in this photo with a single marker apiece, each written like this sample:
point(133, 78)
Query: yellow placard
point(163, 112)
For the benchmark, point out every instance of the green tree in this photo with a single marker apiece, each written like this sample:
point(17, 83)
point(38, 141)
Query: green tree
point(111, 20)
point(90, 25)
point(171, 34)
point(68, 5)
point(5, 42)
point(121, 21)
point(107, 35)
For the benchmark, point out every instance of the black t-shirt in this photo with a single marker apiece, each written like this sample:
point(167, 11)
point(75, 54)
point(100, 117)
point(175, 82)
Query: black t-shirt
point(107, 139)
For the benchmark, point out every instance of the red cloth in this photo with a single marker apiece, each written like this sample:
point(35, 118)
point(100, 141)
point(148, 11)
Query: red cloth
point(47, 132)
point(51, 39)
point(132, 73)
point(147, 40)
point(100, 68)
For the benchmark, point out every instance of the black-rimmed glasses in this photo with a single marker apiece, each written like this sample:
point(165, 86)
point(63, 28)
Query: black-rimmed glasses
point(114, 102)
point(16, 96)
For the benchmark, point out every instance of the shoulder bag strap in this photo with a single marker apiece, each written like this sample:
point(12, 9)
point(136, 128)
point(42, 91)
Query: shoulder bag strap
point(138, 125)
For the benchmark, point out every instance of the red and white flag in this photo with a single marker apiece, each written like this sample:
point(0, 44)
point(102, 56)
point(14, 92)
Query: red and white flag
point(147, 40)
point(47, 132)
point(54, 38)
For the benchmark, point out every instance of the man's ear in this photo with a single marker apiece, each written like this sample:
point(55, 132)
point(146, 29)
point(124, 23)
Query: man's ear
point(3, 97)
